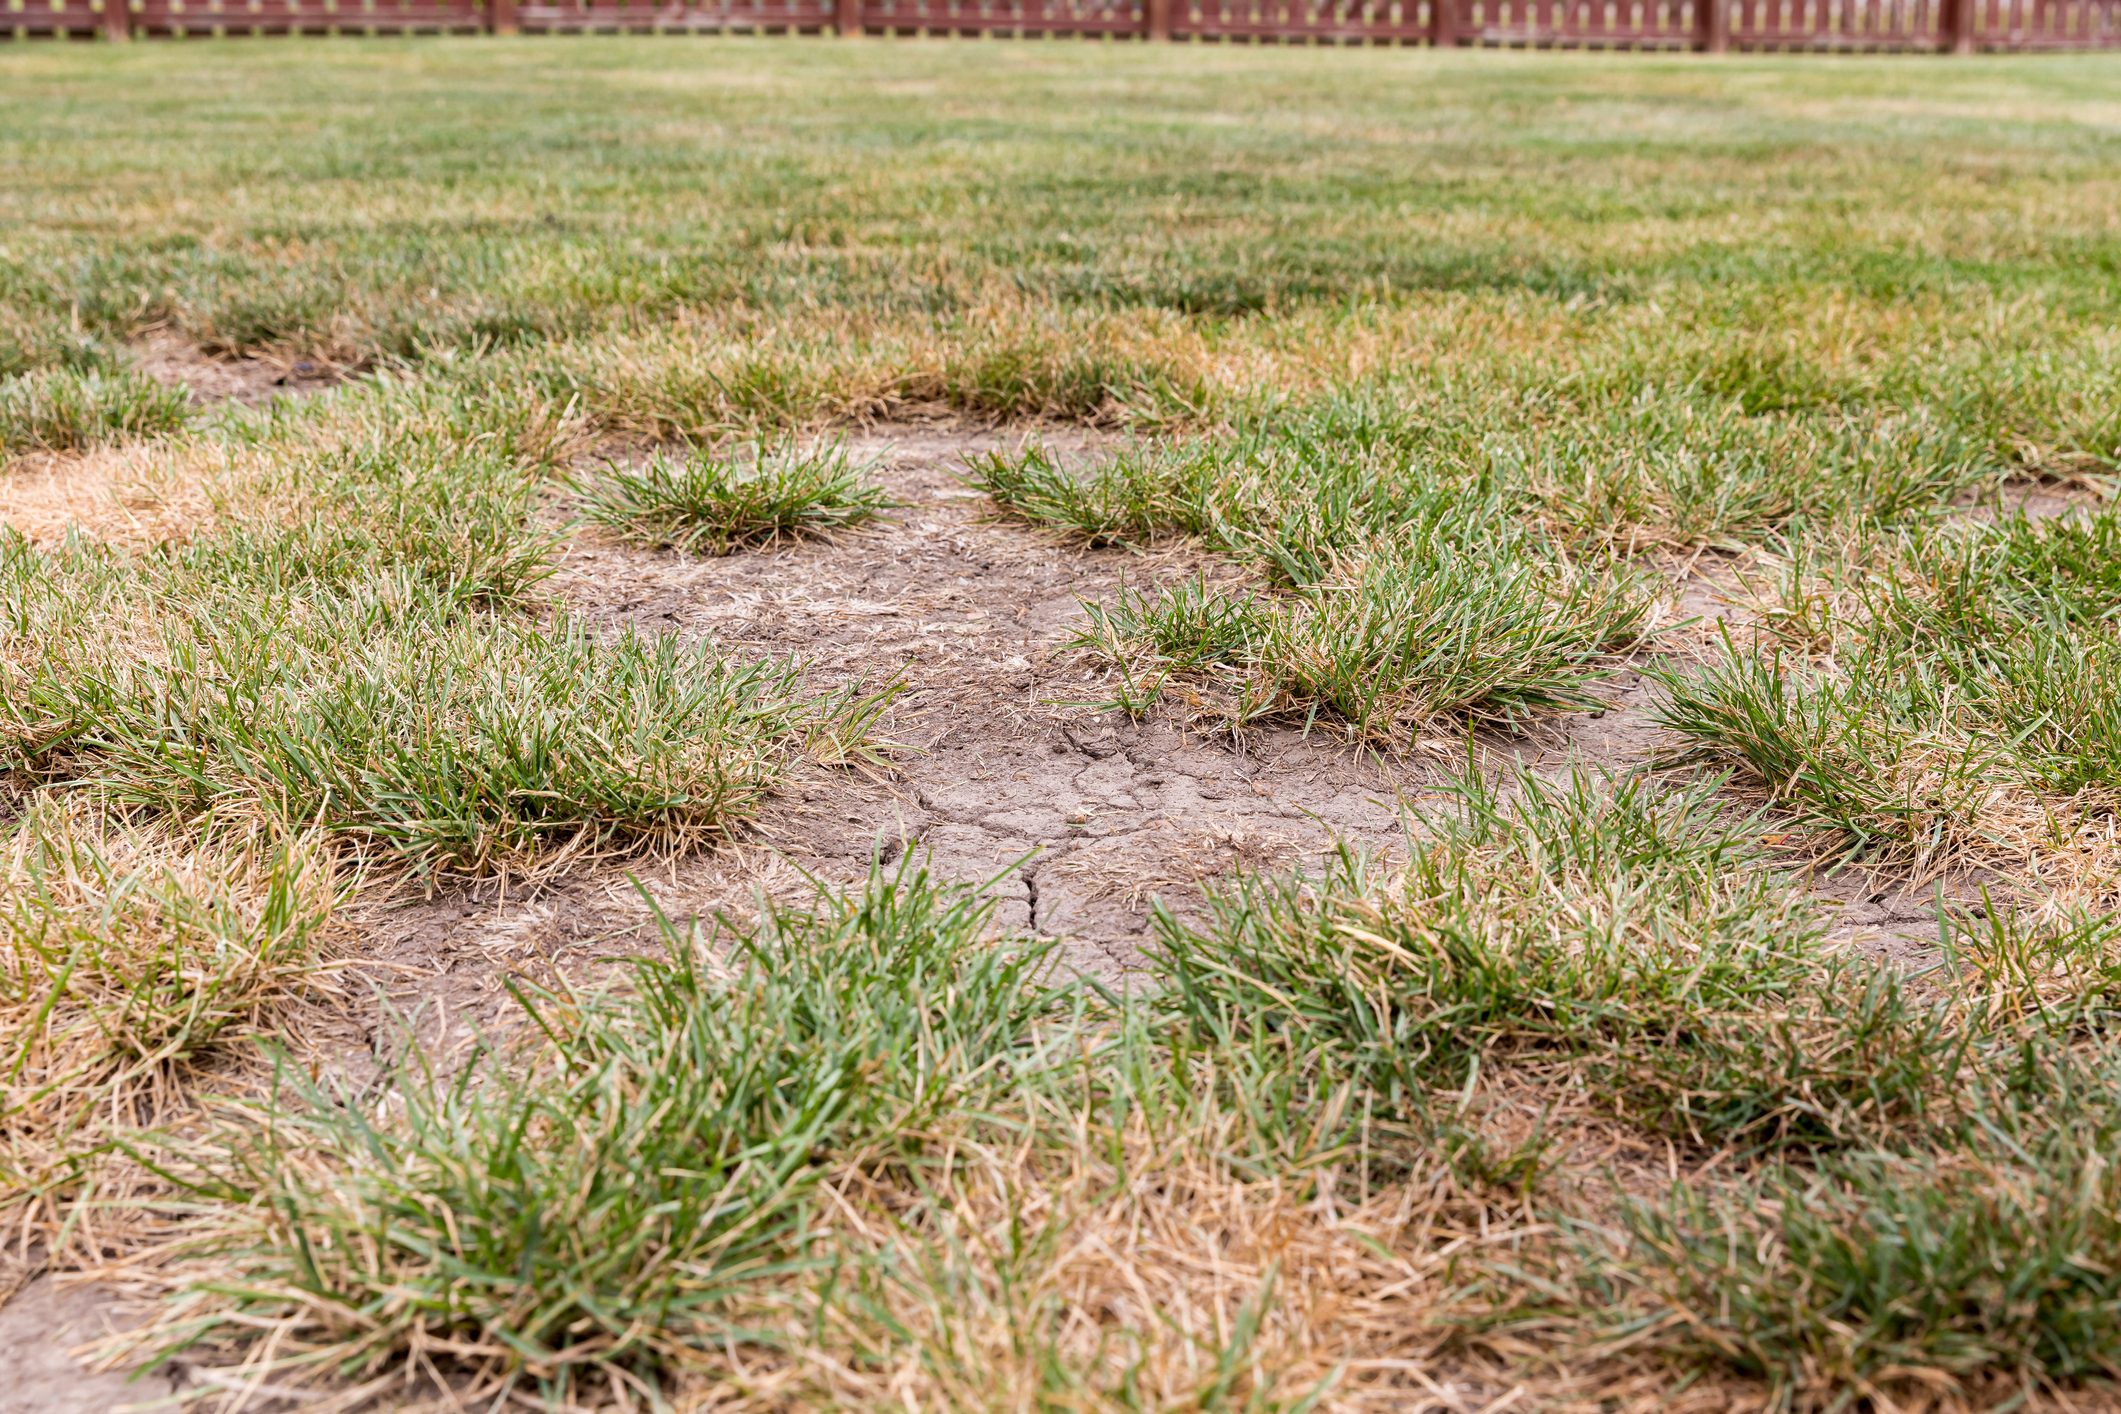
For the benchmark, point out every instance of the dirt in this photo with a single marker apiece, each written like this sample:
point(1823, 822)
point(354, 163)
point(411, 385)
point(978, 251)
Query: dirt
point(170, 357)
point(1074, 817)
point(2038, 500)
point(42, 1329)
point(1078, 821)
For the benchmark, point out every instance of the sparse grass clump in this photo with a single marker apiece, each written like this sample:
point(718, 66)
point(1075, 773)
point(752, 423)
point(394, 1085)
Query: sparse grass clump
point(646, 1178)
point(1836, 747)
point(1958, 704)
point(64, 409)
point(2055, 972)
point(1291, 501)
point(1421, 627)
point(706, 503)
point(1134, 498)
point(1990, 1269)
point(1603, 921)
point(1393, 597)
point(438, 482)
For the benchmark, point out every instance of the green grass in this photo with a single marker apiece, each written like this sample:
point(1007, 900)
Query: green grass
point(1600, 920)
point(865, 1124)
point(1623, 468)
point(61, 410)
point(1387, 642)
point(1995, 1264)
point(705, 503)
point(1954, 697)
point(1083, 234)
point(647, 1174)
point(850, 1127)
point(1402, 590)
point(452, 744)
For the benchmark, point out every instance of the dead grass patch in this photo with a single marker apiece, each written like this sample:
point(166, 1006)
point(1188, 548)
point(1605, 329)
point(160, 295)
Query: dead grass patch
point(132, 497)
point(133, 959)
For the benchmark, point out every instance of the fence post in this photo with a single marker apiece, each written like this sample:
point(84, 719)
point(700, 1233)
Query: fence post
point(1712, 26)
point(117, 19)
point(500, 16)
point(850, 17)
point(1958, 26)
point(1443, 24)
point(1156, 17)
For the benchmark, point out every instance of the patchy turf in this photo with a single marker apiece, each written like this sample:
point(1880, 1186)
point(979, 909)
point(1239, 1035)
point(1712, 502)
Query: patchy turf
point(952, 726)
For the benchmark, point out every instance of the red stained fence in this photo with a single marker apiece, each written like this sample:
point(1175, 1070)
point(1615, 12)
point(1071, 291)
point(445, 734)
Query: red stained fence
point(1584, 24)
point(1711, 25)
point(60, 17)
point(208, 17)
point(640, 16)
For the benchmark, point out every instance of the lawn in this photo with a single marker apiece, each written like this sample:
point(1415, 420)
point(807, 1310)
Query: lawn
point(815, 724)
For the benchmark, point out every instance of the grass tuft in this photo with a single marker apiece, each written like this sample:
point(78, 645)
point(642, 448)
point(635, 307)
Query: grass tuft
point(1603, 921)
point(706, 503)
point(450, 744)
point(1385, 642)
point(645, 1178)
point(64, 410)
point(1993, 1271)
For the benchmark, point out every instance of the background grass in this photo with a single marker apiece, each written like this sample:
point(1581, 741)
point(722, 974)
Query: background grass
point(364, 200)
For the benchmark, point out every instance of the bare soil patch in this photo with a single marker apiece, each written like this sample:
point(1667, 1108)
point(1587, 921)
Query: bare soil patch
point(42, 1329)
point(1080, 819)
point(169, 357)
point(1077, 816)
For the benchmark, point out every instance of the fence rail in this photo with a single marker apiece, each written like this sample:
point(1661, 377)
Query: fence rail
point(1711, 26)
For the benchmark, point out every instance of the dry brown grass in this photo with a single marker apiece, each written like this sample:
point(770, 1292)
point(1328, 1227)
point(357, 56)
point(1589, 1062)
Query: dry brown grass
point(135, 960)
point(1070, 1267)
point(1163, 1276)
point(134, 496)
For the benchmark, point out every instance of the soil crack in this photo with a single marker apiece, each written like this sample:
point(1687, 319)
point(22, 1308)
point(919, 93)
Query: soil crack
point(978, 609)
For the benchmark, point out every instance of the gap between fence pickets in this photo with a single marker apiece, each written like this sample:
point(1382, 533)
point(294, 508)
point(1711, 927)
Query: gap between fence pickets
point(1570, 22)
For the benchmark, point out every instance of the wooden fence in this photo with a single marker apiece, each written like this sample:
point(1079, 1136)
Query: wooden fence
point(1708, 25)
